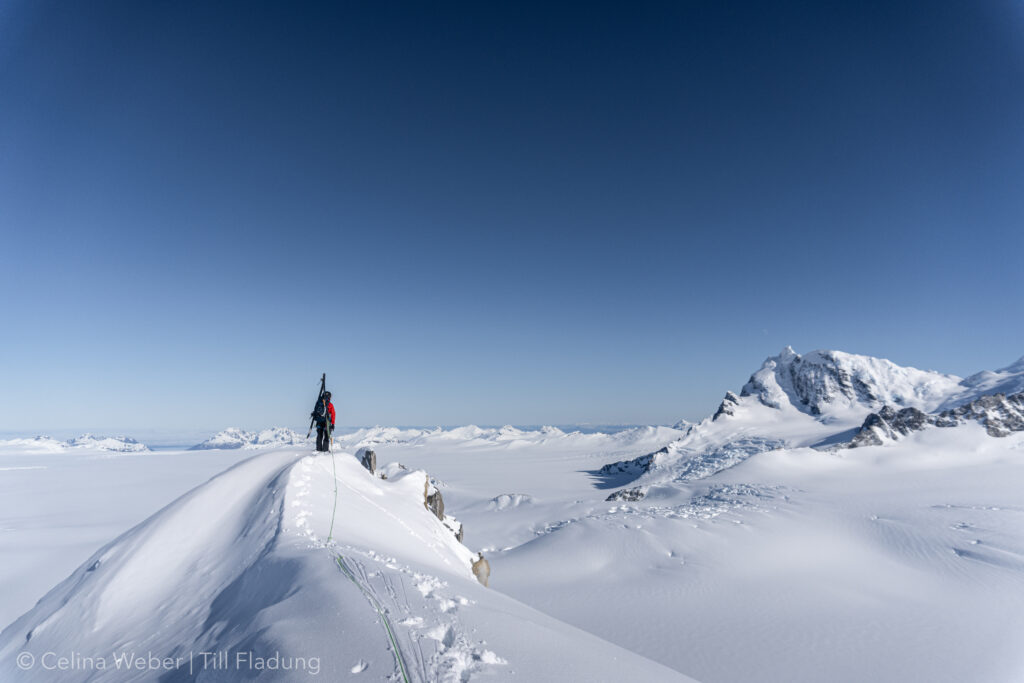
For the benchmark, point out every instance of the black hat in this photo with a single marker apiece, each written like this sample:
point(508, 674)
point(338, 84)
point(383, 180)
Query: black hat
point(327, 395)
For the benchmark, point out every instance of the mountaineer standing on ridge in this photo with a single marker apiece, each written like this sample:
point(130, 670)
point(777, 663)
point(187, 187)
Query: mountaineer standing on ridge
point(323, 415)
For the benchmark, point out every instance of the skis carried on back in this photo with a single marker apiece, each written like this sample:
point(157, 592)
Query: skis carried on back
point(319, 400)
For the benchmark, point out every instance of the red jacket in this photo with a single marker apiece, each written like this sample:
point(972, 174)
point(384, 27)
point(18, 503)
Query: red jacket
point(330, 412)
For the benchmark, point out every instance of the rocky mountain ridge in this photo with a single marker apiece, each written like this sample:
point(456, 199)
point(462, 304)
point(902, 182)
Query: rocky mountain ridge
point(824, 399)
point(1001, 415)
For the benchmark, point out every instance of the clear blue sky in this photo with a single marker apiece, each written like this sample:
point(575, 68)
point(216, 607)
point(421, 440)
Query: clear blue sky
point(494, 212)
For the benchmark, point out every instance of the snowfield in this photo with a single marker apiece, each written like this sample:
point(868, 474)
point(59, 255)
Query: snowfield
point(755, 545)
point(243, 564)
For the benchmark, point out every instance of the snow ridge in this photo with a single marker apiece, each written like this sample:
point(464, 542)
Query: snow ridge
point(244, 564)
point(1000, 415)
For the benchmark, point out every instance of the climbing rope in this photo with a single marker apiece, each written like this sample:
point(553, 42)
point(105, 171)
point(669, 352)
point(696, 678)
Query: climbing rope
point(334, 510)
point(383, 617)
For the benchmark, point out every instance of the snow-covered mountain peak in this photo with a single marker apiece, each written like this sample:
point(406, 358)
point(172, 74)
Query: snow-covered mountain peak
point(233, 437)
point(118, 444)
point(1007, 381)
point(823, 382)
point(85, 442)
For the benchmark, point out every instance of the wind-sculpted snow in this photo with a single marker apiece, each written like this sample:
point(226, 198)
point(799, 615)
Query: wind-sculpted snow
point(509, 500)
point(676, 463)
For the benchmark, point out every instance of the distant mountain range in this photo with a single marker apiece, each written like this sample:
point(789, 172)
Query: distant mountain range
point(118, 444)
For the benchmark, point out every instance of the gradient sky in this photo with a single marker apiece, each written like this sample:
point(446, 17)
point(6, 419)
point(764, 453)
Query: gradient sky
point(494, 212)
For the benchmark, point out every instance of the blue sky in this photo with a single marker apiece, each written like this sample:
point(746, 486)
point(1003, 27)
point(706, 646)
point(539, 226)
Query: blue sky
point(494, 212)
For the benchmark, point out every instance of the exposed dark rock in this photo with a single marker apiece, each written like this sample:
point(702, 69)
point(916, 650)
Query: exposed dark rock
point(889, 423)
point(1000, 415)
point(628, 495)
point(635, 467)
point(455, 526)
point(728, 405)
point(369, 460)
point(433, 500)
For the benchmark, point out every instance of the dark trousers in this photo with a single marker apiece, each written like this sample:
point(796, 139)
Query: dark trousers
point(323, 437)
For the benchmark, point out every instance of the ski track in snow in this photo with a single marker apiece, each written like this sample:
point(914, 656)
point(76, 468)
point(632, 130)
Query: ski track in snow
point(432, 643)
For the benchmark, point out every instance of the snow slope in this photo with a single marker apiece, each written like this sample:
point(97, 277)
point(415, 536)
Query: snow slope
point(895, 563)
point(243, 565)
point(1008, 380)
point(57, 507)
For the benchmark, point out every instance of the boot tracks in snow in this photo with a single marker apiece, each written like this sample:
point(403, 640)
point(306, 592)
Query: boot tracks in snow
point(340, 560)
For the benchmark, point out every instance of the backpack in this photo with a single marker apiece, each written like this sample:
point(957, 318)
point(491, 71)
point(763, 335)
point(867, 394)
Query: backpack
point(320, 411)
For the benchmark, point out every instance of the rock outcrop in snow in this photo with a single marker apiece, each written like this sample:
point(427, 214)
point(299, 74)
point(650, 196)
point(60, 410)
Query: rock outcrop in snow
point(432, 498)
point(634, 467)
point(728, 406)
point(368, 458)
point(1000, 415)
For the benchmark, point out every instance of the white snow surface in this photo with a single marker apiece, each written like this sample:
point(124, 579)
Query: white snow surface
point(264, 560)
point(88, 442)
point(1008, 380)
point(752, 556)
